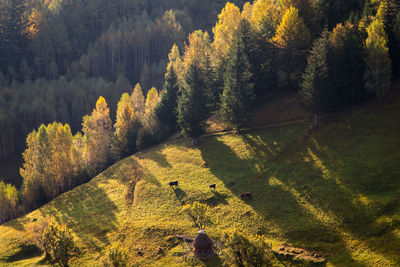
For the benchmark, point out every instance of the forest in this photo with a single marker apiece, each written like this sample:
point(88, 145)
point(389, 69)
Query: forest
point(86, 83)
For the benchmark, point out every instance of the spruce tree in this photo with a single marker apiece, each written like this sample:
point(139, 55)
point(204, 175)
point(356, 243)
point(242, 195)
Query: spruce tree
point(166, 111)
point(192, 102)
point(238, 93)
point(315, 88)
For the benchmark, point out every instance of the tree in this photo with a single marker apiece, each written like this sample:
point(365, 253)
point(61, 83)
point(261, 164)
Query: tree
point(8, 202)
point(97, 137)
point(192, 103)
point(165, 111)
point(138, 103)
point(59, 242)
point(13, 40)
point(378, 73)
point(346, 66)
point(225, 28)
point(199, 214)
point(315, 88)
point(152, 100)
point(238, 93)
point(292, 38)
point(124, 127)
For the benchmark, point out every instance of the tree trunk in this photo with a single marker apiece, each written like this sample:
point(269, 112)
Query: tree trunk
point(315, 124)
point(195, 141)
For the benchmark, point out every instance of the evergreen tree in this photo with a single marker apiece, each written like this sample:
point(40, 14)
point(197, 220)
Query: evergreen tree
point(13, 40)
point(378, 72)
point(315, 88)
point(166, 109)
point(238, 93)
point(346, 66)
point(192, 103)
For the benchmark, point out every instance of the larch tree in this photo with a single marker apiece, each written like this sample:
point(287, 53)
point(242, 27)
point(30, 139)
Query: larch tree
point(238, 94)
point(152, 100)
point(97, 129)
point(138, 101)
point(124, 127)
point(378, 73)
point(316, 85)
point(292, 38)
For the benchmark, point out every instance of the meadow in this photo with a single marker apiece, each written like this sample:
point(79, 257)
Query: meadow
point(334, 190)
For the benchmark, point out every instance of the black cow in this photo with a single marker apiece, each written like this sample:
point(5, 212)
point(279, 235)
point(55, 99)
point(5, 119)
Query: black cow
point(174, 183)
point(212, 186)
point(247, 195)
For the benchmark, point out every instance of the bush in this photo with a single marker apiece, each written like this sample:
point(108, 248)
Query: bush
point(58, 241)
point(199, 213)
point(117, 256)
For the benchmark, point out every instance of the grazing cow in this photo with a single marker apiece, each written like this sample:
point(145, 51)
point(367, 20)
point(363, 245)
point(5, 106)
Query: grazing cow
point(174, 183)
point(212, 186)
point(246, 195)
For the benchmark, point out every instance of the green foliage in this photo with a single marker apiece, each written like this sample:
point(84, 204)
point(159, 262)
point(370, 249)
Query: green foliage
point(378, 73)
point(8, 202)
point(60, 244)
point(241, 251)
point(192, 102)
point(315, 88)
point(292, 38)
point(346, 66)
point(199, 214)
point(238, 94)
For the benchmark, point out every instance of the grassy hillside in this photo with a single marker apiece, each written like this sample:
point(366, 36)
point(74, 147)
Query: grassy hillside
point(335, 191)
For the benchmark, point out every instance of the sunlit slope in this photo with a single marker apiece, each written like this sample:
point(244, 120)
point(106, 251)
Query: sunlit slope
point(335, 190)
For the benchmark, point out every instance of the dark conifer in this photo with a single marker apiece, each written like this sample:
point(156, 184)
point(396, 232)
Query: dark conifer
point(238, 93)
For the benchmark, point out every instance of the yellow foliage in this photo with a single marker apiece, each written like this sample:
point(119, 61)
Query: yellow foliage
point(292, 32)
point(224, 30)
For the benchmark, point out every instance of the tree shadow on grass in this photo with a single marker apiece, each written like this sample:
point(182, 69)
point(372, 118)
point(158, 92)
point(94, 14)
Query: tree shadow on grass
point(157, 157)
point(89, 212)
point(282, 201)
point(216, 199)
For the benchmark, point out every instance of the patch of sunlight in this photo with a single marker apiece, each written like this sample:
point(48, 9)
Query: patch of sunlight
point(364, 200)
point(358, 248)
point(326, 174)
point(396, 233)
point(325, 217)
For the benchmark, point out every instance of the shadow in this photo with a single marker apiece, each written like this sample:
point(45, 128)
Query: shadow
point(157, 157)
point(213, 262)
point(310, 205)
point(24, 252)
point(180, 195)
point(216, 199)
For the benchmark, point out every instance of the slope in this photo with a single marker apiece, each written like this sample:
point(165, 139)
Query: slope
point(335, 190)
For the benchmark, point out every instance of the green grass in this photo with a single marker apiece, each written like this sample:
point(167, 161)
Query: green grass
point(335, 191)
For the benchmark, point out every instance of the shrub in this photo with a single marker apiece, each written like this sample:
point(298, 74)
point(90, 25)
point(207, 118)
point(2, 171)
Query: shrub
point(117, 256)
point(199, 213)
point(58, 241)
